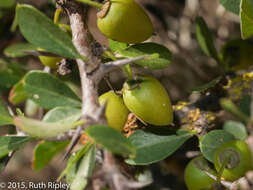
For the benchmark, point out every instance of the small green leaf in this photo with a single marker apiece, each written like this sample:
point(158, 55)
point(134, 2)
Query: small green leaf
point(10, 143)
point(246, 15)
point(10, 74)
point(19, 50)
point(205, 39)
point(151, 147)
point(245, 103)
point(229, 106)
point(7, 3)
point(41, 129)
point(73, 162)
point(212, 141)
point(111, 139)
point(3, 162)
point(237, 129)
point(39, 30)
point(206, 86)
point(48, 91)
point(116, 46)
point(48, 149)
point(160, 57)
point(84, 170)
point(5, 117)
point(63, 115)
point(17, 93)
point(231, 5)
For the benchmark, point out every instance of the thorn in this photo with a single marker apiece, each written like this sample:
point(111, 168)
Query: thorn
point(73, 142)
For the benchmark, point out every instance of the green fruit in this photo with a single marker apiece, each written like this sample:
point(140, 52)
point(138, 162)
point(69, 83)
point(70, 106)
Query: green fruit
point(124, 21)
point(239, 159)
point(148, 99)
point(237, 54)
point(195, 176)
point(49, 61)
point(116, 112)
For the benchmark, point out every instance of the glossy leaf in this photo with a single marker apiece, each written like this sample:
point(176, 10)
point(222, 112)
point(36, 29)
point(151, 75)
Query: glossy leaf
point(48, 91)
point(10, 74)
point(237, 129)
point(159, 56)
point(229, 106)
point(212, 141)
point(231, 5)
point(206, 86)
point(205, 39)
point(10, 143)
point(19, 50)
point(152, 147)
point(63, 115)
point(48, 149)
point(17, 93)
point(246, 15)
point(84, 170)
point(42, 129)
point(40, 31)
point(5, 117)
point(245, 103)
point(116, 46)
point(7, 3)
point(73, 162)
point(111, 139)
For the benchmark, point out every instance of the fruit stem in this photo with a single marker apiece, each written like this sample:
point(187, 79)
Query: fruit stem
point(91, 3)
point(128, 71)
point(57, 15)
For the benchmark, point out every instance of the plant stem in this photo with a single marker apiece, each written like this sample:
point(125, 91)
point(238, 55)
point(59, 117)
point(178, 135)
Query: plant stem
point(91, 3)
point(126, 68)
point(57, 15)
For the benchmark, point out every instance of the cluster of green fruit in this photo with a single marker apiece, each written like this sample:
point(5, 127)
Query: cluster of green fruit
point(120, 20)
point(145, 97)
point(234, 155)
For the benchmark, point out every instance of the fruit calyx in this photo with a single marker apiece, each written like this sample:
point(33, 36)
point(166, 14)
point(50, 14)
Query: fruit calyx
point(232, 155)
point(102, 13)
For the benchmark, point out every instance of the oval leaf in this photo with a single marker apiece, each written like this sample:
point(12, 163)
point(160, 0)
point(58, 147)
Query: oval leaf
point(5, 117)
point(19, 50)
point(246, 15)
point(48, 91)
point(10, 143)
point(72, 163)
point(63, 115)
point(237, 129)
point(39, 30)
point(84, 170)
point(10, 73)
point(116, 46)
point(160, 57)
point(231, 5)
point(48, 149)
point(151, 148)
point(42, 129)
point(229, 106)
point(205, 39)
point(245, 103)
point(212, 141)
point(111, 139)
point(17, 93)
